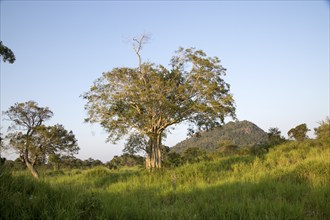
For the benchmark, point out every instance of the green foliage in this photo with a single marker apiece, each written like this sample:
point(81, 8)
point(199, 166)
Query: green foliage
point(26, 198)
point(291, 181)
point(89, 206)
point(55, 160)
point(6, 53)
point(90, 162)
point(299, 132)
point(127, 160)
point(323, 131)
point(140, 98)
point(32, 139)
point(194, 155)
point(274, 137)
point(15, 165)
point(149, 99)
point(58, 161)
point(136, 143)
point(173, 160)
point(226, 148)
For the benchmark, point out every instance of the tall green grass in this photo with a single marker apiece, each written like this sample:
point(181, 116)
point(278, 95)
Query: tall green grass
point(291, 181)
point(22, 197)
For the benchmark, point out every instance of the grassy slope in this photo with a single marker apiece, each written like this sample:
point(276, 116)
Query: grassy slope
point(289, 182)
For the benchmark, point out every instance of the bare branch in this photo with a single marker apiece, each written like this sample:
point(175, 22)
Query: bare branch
point(138, 43)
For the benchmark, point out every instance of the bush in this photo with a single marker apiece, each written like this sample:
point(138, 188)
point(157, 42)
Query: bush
point(194, 155)
point(323, 131)
point(173, 160)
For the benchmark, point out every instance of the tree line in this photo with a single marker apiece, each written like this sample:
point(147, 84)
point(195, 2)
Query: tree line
point(44, 156)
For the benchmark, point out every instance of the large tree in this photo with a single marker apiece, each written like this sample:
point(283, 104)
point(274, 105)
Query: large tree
point(32, 139)
point(6, 53)
point(150, 98)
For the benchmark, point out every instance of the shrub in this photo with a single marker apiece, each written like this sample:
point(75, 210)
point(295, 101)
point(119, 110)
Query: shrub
point(194, 155)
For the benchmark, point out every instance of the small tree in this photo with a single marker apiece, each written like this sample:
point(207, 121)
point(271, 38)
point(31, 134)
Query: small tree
point(55, 160)
point(149, 99)
point(32, 139)
point(114, 163)
point(274, 136)
point(299, 132)
point(69, 161)
point(173, 160)
point(323, 131)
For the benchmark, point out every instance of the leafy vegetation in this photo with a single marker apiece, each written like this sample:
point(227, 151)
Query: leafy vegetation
point(234, 172)
point(128, 160)
point(147, 100)
point(291, 181)
point(323, 131)
point(6, 54)
point(299, 132)
point(33, 140)
point(274, 137)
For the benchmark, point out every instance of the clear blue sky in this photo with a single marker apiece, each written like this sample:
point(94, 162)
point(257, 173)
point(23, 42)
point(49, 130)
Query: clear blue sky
point(276, 54)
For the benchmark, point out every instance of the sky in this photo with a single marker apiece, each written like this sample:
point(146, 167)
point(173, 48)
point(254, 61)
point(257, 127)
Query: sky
point(276, 54)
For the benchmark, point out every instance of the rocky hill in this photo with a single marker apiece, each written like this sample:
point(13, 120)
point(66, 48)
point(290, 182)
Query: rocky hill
point(239, 133)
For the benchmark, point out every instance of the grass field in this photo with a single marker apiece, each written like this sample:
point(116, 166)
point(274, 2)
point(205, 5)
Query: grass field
point(291, 181)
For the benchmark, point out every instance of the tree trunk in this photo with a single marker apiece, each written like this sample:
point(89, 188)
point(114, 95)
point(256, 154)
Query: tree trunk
point(153, 153)
point(30, 165)
point(158, 152)
point(32, 169)
point(154, 159)
point(148, 164)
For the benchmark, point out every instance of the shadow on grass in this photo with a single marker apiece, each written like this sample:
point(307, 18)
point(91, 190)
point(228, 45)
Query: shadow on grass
point(268, 199)
point(107, 177)
point(288, 196)
point(23, 197)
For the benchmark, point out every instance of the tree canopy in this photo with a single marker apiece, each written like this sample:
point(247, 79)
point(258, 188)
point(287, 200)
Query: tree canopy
point(274, 136)
point(32, 139)
point(299, 132)
point(323, 131)
point(150, 98)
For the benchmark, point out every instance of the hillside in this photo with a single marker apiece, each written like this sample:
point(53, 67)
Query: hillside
point(240, 133)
